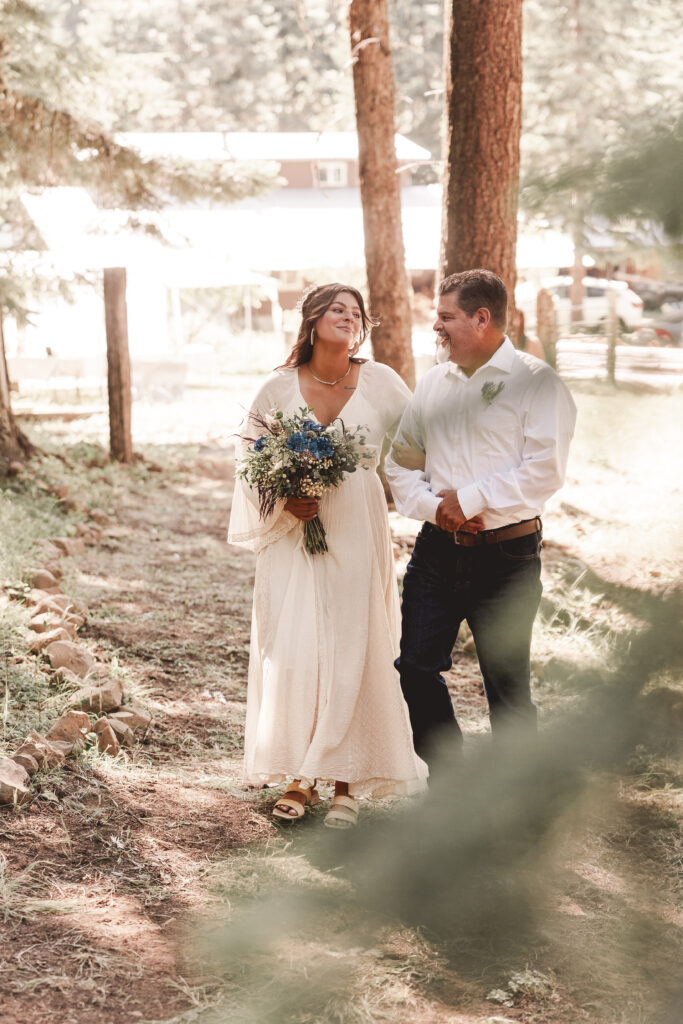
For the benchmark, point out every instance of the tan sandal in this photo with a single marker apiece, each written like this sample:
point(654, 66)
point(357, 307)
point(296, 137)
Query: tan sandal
point(343, 812)
point(311, 798)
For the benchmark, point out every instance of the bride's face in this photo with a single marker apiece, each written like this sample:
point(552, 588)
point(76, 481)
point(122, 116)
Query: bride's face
point(341, 323)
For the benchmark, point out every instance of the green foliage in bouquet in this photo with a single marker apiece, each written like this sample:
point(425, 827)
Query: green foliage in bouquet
point(297, 457)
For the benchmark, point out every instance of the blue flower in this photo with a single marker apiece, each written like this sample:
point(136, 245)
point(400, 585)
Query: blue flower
point(311, 425)
point(325, 449)
point(297, 443)
point(259, 444)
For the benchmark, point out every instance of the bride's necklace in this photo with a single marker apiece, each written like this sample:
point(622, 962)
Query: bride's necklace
point(330, 383)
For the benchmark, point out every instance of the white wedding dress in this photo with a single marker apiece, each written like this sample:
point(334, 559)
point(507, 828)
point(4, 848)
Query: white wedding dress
point(324, 700)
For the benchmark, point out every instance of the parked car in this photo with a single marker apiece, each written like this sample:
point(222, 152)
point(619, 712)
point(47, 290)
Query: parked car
point(656, 294)
point(664, 329)
point(595, 304)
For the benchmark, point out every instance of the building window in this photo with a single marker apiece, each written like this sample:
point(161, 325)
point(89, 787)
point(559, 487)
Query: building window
point(332, 174)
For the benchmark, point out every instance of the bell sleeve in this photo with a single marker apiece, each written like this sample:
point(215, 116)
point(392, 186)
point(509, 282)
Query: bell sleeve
point(246, 528)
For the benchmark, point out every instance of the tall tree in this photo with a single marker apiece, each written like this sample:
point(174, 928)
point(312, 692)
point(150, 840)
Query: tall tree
point(483, 67)
point(13, 442)
point(373, 83)
point(50, 135)
point(621, 73)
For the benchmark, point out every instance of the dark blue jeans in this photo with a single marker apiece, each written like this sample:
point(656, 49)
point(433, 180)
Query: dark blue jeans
point(496, 588)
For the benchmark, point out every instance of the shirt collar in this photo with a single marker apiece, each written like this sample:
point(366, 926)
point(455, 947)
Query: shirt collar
point(502, 359)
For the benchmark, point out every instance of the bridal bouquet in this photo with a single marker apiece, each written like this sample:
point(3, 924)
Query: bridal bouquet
point(296, 457)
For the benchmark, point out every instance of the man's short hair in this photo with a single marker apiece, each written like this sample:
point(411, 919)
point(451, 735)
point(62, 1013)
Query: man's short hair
point(475, 289)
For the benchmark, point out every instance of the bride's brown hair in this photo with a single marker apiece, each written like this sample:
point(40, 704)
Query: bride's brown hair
point(315, 304)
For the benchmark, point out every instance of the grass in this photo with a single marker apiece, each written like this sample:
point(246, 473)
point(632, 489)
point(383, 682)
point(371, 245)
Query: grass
point(336, 954)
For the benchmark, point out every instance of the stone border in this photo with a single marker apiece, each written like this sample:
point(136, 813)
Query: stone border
point(55, 620)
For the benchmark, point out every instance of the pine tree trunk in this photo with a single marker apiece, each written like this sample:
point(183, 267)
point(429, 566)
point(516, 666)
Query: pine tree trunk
point(373, 82)
point(483, 60)
point(118, 364)
point(13, 443)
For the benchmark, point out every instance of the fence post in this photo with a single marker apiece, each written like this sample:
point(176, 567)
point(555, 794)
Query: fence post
point(612, 335)
point(546, 325)
point(118, 364)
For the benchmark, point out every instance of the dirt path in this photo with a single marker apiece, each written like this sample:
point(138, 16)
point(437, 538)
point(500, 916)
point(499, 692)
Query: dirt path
point(114, 860)
point(128, 841)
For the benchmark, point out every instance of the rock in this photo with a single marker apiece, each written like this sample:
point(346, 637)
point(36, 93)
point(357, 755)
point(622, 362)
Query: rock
point(106, 697)
point(65, 747)
point(133, 716)
point(107, 742)
point(43, 750)
point(45, 640)
point(48, 603)
point(46, 621)
point(100, 517)
point(62, 604)
point(90, 532)
point(50, 551)
point(42, 578)
point(123, 732)
point(71, 727)
point(98, 673)
point(65, 675)
point(13, 782)
point(26, 761)
point(36, 595)
point(15, 468)
point(68, 545)
point(53, 619)
point(55, 568)
point(72, 623)
point(64, 654)
point(62, 491)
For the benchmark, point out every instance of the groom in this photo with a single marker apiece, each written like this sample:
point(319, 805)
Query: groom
point(481, 446)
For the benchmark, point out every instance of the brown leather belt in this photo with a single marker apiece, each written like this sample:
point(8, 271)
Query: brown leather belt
point(523, 529)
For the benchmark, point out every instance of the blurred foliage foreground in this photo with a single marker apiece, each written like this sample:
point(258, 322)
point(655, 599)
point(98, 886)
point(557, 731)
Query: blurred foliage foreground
point(479, 871)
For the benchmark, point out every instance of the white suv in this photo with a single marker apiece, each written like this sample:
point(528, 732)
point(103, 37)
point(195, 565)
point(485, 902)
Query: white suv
point(595, 303)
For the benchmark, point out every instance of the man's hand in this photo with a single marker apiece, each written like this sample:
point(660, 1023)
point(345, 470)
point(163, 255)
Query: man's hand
point(302, 508)
point(450, 516)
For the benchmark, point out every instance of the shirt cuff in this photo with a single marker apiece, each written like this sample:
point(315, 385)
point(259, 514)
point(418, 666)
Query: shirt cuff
point(428, 506)
point(472, 502)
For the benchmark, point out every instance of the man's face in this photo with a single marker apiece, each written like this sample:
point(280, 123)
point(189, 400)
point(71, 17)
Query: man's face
point(462, 334)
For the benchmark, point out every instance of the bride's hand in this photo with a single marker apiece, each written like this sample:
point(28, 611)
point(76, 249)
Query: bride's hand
point(302, 508)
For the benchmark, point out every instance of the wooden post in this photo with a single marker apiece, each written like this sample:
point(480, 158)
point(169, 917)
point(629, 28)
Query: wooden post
point(118, 364)
point(612, 335)
point(546, 326)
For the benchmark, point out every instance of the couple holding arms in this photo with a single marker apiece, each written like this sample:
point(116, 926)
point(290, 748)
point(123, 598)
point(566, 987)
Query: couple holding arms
point(477, 450)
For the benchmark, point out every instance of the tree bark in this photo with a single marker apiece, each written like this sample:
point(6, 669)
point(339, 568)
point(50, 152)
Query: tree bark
point(373, 83)
point(483, 61)
point(118, 364)
point(13, 442)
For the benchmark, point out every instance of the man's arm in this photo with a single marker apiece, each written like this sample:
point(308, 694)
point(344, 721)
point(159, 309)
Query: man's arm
point(405, 466)
point(548, 428)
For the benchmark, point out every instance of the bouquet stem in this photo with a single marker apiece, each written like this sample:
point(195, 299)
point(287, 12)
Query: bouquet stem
point(314, 536)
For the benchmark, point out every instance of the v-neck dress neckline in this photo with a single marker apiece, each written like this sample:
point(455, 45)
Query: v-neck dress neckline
point(344, 406)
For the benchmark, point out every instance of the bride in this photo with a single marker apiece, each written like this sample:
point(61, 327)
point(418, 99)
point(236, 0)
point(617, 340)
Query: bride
point(324, 701)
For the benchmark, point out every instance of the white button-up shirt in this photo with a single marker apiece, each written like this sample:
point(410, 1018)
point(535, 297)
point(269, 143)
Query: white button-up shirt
point(500, 438)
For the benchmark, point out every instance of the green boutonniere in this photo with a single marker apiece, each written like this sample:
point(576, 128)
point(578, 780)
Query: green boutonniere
point(489, 390)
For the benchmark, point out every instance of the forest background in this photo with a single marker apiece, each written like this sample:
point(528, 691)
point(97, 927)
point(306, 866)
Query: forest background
point(553, 876)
